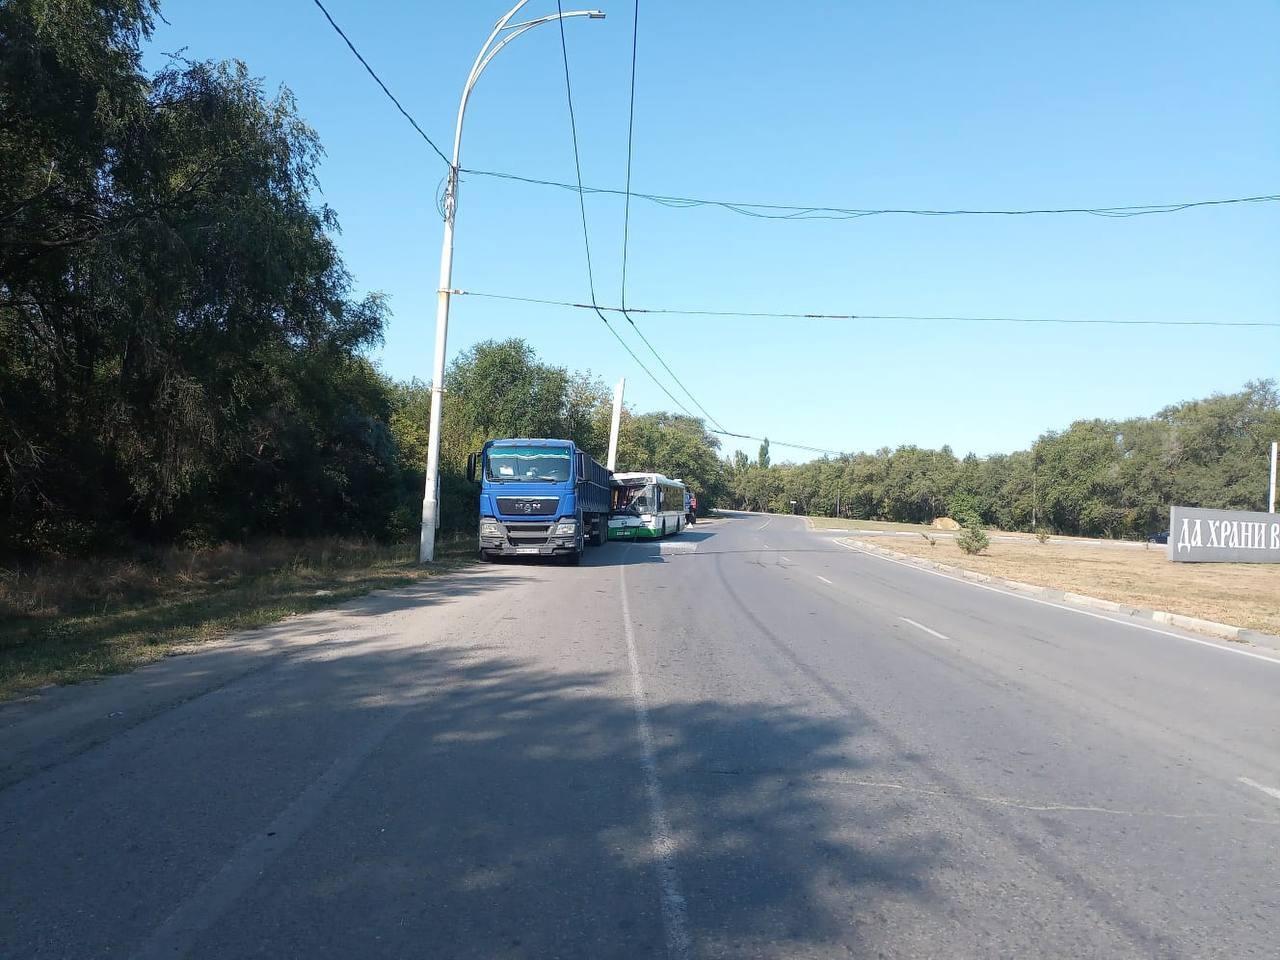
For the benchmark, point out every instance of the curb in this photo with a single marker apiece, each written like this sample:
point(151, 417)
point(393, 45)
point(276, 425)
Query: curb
point(1223, 631)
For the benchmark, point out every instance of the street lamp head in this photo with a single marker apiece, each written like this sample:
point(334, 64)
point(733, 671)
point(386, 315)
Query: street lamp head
point(513, 30)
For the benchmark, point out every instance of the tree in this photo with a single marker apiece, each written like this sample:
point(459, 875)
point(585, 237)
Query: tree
point(181, 353)
point(762, 460)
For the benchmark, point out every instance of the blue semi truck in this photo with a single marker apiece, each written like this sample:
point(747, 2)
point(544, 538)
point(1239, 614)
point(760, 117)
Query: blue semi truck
point(539, 498)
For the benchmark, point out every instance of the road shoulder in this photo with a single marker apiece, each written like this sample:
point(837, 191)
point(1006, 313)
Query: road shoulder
point(1236, 635)
point(58, 723)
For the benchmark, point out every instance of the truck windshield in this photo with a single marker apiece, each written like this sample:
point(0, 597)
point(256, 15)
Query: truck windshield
point(547, 464)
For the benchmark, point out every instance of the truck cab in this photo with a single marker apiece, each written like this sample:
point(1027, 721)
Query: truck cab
point(539, 497)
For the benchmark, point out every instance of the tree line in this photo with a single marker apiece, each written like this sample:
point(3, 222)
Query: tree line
point(1105, 478)
point(183, 354)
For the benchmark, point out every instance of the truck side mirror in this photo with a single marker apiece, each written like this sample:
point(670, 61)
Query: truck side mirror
point(471, 466)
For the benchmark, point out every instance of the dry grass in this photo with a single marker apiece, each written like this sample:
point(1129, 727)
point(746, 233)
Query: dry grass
point(835, 523)
point(64, 622)
point(1242, 594)
point(944, 535)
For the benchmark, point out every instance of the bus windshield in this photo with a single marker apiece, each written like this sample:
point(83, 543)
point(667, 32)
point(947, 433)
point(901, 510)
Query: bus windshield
point(634, 500)
point(545, 464)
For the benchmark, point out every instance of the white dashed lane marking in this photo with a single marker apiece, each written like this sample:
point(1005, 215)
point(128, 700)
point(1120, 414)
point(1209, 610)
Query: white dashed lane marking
point(1269, 791)
point(921, 626)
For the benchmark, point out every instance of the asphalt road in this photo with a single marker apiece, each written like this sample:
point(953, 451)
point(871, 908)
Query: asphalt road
point(747, 741)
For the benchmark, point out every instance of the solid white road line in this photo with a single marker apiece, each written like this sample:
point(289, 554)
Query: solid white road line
point(1269, 791)
point(921, 626)
point(825, 580)
point(765, 524)
point(1062, 606)
point(674, 921)
point(781, 557)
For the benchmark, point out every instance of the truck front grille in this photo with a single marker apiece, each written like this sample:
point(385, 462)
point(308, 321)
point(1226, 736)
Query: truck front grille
point(529, 534)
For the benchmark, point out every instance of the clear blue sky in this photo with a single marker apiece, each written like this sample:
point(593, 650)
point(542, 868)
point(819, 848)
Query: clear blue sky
point(871, 105)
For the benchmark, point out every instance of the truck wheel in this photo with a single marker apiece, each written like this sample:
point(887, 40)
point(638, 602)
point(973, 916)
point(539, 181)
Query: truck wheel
point(602, 533)
point(486, 556)
point(573, 559)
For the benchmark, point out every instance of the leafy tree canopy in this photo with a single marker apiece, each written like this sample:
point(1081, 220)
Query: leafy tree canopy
point(180, 346)
point(1113, 478)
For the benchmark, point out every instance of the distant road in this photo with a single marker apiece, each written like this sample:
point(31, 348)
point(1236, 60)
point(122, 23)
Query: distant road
point(746, 741)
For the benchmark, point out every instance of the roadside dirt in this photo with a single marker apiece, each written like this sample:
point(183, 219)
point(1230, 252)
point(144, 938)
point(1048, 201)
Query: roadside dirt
point(1242, 594)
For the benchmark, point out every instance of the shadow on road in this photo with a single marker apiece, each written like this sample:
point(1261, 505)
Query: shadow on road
point(60, 723)
point(509, 805)
point(617, 552)
point(499, 811)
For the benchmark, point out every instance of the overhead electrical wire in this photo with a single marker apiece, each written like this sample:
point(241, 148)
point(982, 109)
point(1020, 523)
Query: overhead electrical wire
point(796, 315)
point(626, 225)
point(783, 443)
point(582, 205)
point(586, 239)
point(631, 132)
point(390, 96)
point(782, 211)
point(772, 211)
point(586, 235)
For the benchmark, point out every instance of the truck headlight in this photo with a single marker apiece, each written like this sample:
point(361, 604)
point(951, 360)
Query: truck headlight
point(489, 528)
point(567, 528)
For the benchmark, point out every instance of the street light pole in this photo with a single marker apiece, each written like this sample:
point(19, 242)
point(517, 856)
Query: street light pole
point(504, 31)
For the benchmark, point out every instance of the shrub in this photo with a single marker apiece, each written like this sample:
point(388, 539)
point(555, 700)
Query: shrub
point(972, 538)
point(1042, 534)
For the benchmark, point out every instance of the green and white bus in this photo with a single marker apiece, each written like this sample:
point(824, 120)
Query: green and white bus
point(646, 506)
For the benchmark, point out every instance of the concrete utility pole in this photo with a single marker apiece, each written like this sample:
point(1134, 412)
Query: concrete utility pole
point(1275, 455)
point(615, 425)
point(508, 31)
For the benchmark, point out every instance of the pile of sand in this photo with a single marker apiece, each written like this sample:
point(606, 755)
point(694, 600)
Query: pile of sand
point(945, 523)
